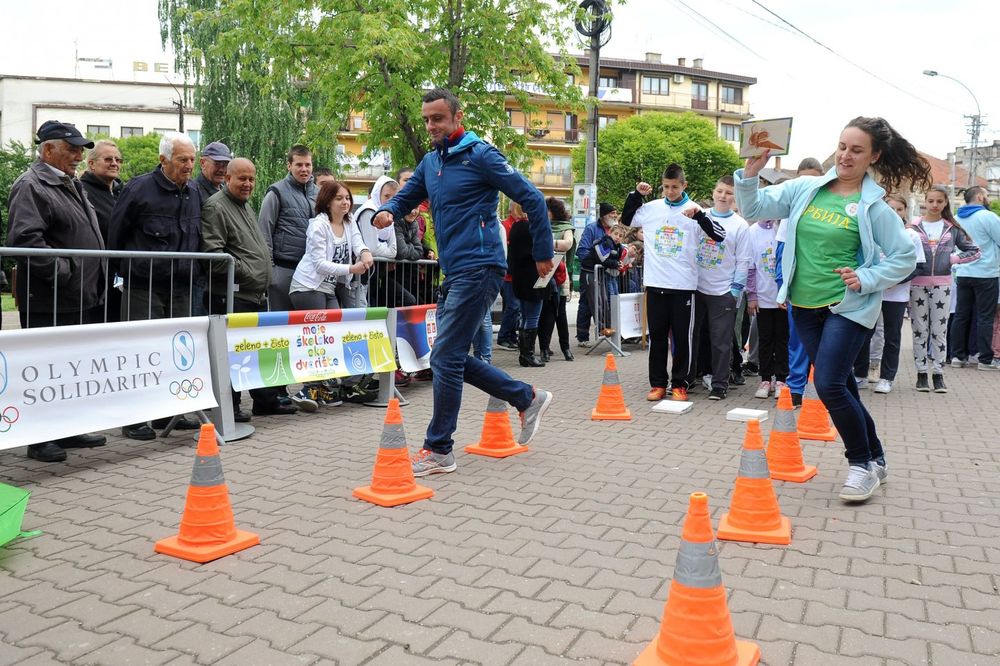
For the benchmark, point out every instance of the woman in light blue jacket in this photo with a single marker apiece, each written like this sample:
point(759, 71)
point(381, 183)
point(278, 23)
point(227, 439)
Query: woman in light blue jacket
point(834, 275)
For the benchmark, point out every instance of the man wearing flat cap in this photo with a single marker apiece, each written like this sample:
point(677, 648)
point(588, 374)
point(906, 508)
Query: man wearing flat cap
point(215, 157)
point(49, 208)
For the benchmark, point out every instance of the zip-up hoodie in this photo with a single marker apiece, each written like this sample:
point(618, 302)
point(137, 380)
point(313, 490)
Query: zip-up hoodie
point(984, 228)
point(878, 227)
point(939, 257)
point(381, 242)
point(462, 179)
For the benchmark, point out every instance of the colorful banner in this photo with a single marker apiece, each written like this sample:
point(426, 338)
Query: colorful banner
point(630, 315)
point(416, 328)
point(69, 380)
point(279, 348)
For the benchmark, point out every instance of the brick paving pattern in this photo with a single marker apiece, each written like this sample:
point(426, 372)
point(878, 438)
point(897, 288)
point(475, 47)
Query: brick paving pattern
point(559, 556)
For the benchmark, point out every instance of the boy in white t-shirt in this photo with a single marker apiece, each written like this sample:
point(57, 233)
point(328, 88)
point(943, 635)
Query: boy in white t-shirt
point(722, 276)
point(762, 294)
point(672, 227)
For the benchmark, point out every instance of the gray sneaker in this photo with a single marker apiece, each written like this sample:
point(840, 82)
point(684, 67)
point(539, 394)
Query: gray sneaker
point(584, 344)
point(427, 462)
point(987, 366)
point(531, 418)
point(861, 482)
point(882, 471)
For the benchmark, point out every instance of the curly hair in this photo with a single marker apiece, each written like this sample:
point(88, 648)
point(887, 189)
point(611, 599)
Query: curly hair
point(898, 161)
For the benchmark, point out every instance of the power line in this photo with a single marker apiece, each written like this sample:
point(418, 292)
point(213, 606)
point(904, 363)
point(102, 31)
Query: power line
point(849, 61)
point(718, 28)
point(758, 17)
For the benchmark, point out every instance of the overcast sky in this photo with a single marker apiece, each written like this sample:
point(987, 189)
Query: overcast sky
point(895, 40)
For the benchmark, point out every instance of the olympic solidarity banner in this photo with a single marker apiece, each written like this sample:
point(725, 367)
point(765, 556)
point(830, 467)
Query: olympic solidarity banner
point(69, 380)
point(416, 328)
point(279, 348)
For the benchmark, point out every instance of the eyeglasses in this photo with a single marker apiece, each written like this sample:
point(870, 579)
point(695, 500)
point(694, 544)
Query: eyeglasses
point(113, 159)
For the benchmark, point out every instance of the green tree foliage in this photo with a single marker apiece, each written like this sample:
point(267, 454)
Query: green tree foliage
point(269, 70)
point(995, 207)
point(140, 154)
point(15, 159)
point(640, 147)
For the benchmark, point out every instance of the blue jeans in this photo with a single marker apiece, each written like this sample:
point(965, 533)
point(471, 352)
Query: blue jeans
point(511, 315)
point(833, 342)
point(464, 300)
point(798, 359)
point(531, 311)
point(482, 344)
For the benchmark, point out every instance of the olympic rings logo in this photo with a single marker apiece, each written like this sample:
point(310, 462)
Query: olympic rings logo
point(187, 388)
point(8, 417)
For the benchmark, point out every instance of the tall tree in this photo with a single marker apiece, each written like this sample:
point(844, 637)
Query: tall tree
point(640, 147)
point(334, 57)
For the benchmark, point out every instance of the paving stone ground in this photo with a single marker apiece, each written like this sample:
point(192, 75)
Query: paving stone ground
point(559, 556)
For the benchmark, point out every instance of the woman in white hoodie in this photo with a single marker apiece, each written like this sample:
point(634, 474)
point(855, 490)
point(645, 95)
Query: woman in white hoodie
point(382, 242)
point(325, 278)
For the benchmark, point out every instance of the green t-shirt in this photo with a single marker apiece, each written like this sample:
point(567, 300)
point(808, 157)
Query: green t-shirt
point(826, 238)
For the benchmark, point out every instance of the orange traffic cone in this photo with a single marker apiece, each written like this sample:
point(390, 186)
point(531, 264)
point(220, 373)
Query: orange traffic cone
point(784, 451)
point(754, 514)
point(392, 480)
point(497, 438)
point(696, 627)
point(814, 421)
point(610, 401)
point(207, 530)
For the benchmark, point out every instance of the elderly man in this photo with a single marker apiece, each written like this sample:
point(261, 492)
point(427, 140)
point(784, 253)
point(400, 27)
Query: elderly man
point(104, 164)
point(159, 211)
point(229, 225)
point(49, 208)
point(214, 160)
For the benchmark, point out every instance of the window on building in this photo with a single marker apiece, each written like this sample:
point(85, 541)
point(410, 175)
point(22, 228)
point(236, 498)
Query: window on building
point(163, 130)
point(699, 95)
point(730, 132)
point(732, 95)
point(607, 82)
point(357, 122)
point(570, 127)
point(560, 164)
point(195, 136)
point(571, 79)
point(655, 85)
point(131, 131)
point(98, 129)
point(604, 121)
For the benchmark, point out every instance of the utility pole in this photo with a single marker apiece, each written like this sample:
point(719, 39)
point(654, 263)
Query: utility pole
point(975, 123)
point(600, 22)
point(179, 103)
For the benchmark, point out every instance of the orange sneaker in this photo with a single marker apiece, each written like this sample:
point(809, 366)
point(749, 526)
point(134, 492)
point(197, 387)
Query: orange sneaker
point(679, 394)
point(656, 394)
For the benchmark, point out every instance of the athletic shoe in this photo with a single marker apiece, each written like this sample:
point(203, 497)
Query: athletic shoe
point(750, 369)
point(777, 389)
point(328, 397)
point(737, 379)
point(427, 375)
point(707, 381)
point(585, 344)
point(717, 394)
point(427, 462)
point(922, 384)
point(996, 363)
point(763, 390)
point(679, 394)
point(357, 394)
point(882, 471)
point(958, 363)
point(796, 400)
point(939, 386)
point(306, 398)
point(656, 394)
point(875, 370)
point(531, 418)
point(860, 484)
point(401, 378)
point(506, 345)
point(862, 382)
point(883, 386)
point(987, 366)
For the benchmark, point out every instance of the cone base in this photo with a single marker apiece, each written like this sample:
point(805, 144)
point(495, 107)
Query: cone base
point(747, 654)
point(384, 499)
point(201, 554)
point(808, 472)
point(511, 450)
point(782, 536)
point(598, 415)
point(824, 436)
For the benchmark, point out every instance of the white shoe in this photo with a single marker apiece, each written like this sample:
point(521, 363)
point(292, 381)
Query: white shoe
point(883, 386)
point(860, 484)
point(777, 389)
point(862, 382)
point(707, 381)
point(763, 390)
point(874, 370)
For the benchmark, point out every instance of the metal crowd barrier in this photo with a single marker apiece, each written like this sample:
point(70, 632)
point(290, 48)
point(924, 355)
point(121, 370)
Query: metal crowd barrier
point(606, 289)
point(394, 283)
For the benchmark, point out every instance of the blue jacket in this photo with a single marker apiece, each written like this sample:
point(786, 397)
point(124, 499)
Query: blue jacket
point(592, 234)
point(878, 227)
point(462, 183)
point(984, 228)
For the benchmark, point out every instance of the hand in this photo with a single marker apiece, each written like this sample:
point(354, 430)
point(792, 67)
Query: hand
point(849, 277)
point(755, 164)
point(544, 267)
point(643, 188)
point(358, 268)
point(689, 212)
point(752, 308)
point(367, 259)
point(431, 255)
point(382, 220)
point(783, 306)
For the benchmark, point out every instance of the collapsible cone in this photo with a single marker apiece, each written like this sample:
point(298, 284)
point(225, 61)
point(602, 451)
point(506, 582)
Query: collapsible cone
point(497, 438)
point(754, 514)
point(784, 451)
point(207, 530)
point(814, 421)
point(610, 401)
point(392, 480)
point(696, 627)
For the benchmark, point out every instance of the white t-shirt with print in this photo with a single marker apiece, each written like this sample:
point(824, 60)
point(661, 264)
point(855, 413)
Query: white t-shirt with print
point(900, 293)
point(670, 244)
point(718, 260)
point(764, 250)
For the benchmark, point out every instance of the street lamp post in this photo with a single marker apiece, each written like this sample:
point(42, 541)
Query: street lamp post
point(976, 121)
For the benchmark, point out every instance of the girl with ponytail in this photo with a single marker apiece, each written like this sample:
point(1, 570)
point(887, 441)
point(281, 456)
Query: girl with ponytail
point(844, 246)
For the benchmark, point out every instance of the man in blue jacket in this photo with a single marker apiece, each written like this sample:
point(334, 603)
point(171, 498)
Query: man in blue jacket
point(461, 177)
point(976, 282)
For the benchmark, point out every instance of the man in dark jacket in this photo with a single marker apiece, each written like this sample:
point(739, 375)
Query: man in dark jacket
point(49, 209)
point(159, 211)
point(462, 177)
point(104, 163)
point(214, 160)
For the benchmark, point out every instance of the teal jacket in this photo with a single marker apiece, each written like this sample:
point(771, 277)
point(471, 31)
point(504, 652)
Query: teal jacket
point(878, 226)
point(983, 226)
